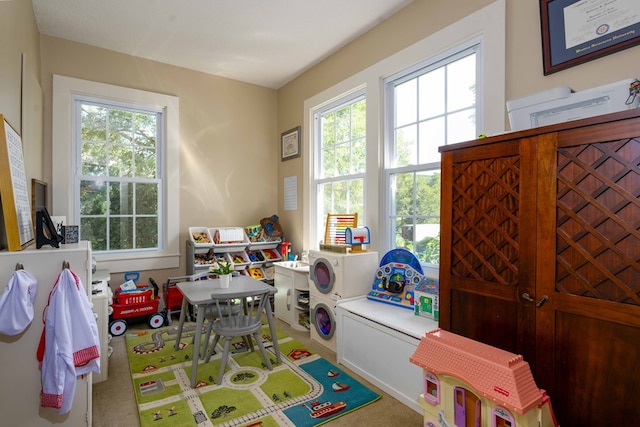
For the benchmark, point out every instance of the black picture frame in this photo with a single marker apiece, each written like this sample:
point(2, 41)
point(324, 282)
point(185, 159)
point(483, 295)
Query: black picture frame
point(290, 144)
point(596, 28)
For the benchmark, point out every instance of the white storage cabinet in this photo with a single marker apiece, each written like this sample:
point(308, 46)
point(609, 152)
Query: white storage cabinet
point(291, 302)
point(375, 340)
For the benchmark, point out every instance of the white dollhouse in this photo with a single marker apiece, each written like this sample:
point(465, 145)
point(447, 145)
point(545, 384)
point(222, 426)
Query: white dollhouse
point(471, 384)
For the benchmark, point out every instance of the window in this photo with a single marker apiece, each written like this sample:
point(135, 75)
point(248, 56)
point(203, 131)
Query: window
point(428, 106)
point(120, 183)
point(431, 388)
point(341, 158)
point(118, 177)
point(400, 201)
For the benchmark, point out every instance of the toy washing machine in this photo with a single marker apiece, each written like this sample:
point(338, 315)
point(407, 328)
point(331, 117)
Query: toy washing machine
point(334, 276)
point(323, 321)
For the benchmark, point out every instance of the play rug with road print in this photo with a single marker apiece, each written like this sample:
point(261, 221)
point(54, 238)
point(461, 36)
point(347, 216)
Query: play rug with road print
point(304, 390)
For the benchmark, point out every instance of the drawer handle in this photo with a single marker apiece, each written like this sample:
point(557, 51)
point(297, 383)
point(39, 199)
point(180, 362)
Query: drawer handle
point(288, 299)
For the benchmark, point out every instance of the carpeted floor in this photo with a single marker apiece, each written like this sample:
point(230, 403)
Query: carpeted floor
point(114, 401)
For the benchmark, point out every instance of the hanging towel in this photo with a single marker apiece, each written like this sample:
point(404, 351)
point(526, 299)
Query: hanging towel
point(16, 303)
point(70, 345)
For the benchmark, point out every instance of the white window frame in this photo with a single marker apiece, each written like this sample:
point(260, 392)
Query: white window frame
point(487, 24)
point(65, 89)
point(451, 55)
point(334, 105)
point(78, 101)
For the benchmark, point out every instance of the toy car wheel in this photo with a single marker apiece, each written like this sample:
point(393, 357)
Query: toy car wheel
point(156, 320)
point(118, 327)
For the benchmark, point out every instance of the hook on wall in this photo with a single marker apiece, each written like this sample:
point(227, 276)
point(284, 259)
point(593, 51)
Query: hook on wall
point(19, 266)
point(65, 264)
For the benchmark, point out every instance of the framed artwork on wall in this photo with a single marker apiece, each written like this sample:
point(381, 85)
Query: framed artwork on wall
point(16, 206)
point(290, 142)
point(578, 31)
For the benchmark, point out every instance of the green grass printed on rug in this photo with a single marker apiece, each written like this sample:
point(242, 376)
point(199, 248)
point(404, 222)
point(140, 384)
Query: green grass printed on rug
point(165, 377)
point(220, 404)
point(285, 385)
point(182, 417)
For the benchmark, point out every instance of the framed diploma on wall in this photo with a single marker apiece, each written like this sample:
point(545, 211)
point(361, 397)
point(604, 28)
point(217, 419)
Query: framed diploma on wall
point(577, 31)
point(16, 209)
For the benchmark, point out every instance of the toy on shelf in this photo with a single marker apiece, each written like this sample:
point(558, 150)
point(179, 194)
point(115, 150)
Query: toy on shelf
point(426, 298)
point(398, 274)
point(253, 232)
point(228, 235)
point(256, 273)
point(336, 231)
point(468, 383)
point(271, 227)
point(357, 238)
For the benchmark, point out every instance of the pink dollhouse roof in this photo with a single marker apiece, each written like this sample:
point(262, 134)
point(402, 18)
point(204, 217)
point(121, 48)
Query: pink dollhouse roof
point(496, 374)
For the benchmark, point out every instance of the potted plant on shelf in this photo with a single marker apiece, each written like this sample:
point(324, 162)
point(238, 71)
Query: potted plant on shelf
point(223, 269)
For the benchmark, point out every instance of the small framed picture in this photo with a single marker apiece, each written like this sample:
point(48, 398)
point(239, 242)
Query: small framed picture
point(71, 233)
point(290, 141)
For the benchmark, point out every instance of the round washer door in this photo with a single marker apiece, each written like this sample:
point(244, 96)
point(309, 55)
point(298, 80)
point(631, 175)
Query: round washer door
point(322, 275)
point(323, 320)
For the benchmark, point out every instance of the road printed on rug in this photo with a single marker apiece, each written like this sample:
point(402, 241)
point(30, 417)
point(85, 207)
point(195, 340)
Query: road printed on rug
point(192, 396)
point(195, 404)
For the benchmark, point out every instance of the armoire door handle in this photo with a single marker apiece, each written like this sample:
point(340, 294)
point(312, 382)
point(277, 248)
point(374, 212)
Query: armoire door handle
point(527, 297)
point(542, 301)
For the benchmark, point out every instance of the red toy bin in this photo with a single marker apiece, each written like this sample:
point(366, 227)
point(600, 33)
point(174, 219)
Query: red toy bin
point(134, 303)
point(174, 297)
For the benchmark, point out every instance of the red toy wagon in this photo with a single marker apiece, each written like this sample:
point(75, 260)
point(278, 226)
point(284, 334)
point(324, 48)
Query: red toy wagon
point(139, 302)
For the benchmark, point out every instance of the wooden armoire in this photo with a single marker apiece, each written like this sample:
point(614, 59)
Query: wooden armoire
point(540, 256)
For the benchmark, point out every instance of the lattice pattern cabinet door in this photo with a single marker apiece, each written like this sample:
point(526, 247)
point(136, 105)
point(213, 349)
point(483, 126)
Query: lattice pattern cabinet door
point(540, 255)
point(589, 267)
point(486, 259)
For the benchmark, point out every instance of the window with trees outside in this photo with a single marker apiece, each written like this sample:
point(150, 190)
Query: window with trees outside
point(118, 178)
point(340, 158)
point(431, 105)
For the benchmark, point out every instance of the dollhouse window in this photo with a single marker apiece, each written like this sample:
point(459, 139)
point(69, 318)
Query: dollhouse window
point(500, 417)
point(431, 388)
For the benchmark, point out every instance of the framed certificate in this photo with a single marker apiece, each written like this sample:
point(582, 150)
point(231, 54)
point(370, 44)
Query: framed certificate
point(577, 31)
point(290, 142)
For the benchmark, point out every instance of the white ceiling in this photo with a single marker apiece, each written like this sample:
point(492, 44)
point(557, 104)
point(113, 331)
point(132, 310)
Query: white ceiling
point(265, 42)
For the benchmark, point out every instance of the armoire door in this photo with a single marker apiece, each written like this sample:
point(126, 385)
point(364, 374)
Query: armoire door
point(588, 258)
point(540, 256)
point(487, 244)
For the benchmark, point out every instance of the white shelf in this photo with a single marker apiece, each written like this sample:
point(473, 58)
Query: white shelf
point(267, 251)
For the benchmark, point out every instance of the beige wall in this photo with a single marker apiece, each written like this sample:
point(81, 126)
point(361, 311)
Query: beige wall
point(230, 169)
point(227, 133)
point(415, 22)
point(20, 39)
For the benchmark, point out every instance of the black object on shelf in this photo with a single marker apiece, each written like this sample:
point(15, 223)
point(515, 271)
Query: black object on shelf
point(46, 233)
